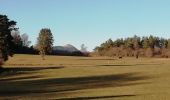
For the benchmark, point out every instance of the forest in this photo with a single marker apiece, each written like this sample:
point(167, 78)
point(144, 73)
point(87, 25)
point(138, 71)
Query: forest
point(147, 46)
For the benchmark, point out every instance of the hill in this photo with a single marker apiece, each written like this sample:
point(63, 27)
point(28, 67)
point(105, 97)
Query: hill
point(67, 48)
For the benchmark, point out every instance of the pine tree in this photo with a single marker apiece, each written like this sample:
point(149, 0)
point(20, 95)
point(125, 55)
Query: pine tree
point(136, 45)
point(168, 44)
point(6, 40)
point(145, 42)
point(152, 40)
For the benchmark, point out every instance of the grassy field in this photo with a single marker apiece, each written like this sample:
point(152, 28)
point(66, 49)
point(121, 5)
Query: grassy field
point(85, 78)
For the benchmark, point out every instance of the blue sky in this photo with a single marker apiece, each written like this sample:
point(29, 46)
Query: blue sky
point(89, 22)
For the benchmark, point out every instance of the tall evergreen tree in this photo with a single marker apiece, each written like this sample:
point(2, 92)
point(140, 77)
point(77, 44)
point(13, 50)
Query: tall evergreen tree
point(163, 43)
point(6, 40)
point(136, 42)
point(136, 45)
point(129, 43)
point(152, 42)
point(145, 42)
point(168, 44)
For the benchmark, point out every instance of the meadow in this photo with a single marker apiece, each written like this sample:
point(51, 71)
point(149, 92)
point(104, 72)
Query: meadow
point(28, 77)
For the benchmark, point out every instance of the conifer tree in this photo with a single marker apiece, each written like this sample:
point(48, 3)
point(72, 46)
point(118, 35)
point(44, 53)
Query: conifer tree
point(6, 40)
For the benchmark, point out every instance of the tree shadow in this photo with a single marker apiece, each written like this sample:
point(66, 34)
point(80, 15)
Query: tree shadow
point(127, 64)
point(71, 84)
point(96, 97)
point(99, 59)
point(19, 78)
point(146, 64)
point(114, 65)
point(21, 70)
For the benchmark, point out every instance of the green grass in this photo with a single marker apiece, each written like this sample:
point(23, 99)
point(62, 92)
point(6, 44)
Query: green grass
point(87, 78)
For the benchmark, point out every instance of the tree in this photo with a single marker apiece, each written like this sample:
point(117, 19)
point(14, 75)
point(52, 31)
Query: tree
point(133, 46)
point(168, 44)
point(45, 42)
point(152, 41)
point(6, 40)
point(83, 48)
point(145, 42)
point(118, 43)
point(25, 41)
point(17, 38)
point(21, 43)
point(129, 43)
point(136, 46)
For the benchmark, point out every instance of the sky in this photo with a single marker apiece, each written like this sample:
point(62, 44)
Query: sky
point(89, 22)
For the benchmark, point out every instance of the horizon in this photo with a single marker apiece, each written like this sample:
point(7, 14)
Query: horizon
point(89, 22)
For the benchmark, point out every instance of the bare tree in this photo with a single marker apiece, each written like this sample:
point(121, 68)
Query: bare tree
point(83, 48)
point(25, 41)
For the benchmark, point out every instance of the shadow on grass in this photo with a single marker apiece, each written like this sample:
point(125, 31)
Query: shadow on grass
point(115, 65)
point(97, 97)
point(72, 84)
point(147, 64)
point(127, 65)
point(99, 59)
point(19, 78)
point(22, 70)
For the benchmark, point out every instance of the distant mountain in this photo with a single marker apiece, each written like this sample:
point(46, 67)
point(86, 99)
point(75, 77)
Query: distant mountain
point(69, 48)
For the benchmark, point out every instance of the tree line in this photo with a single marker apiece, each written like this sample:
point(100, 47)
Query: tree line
point(12, 42)
point(147, 46)
point(22, 43)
